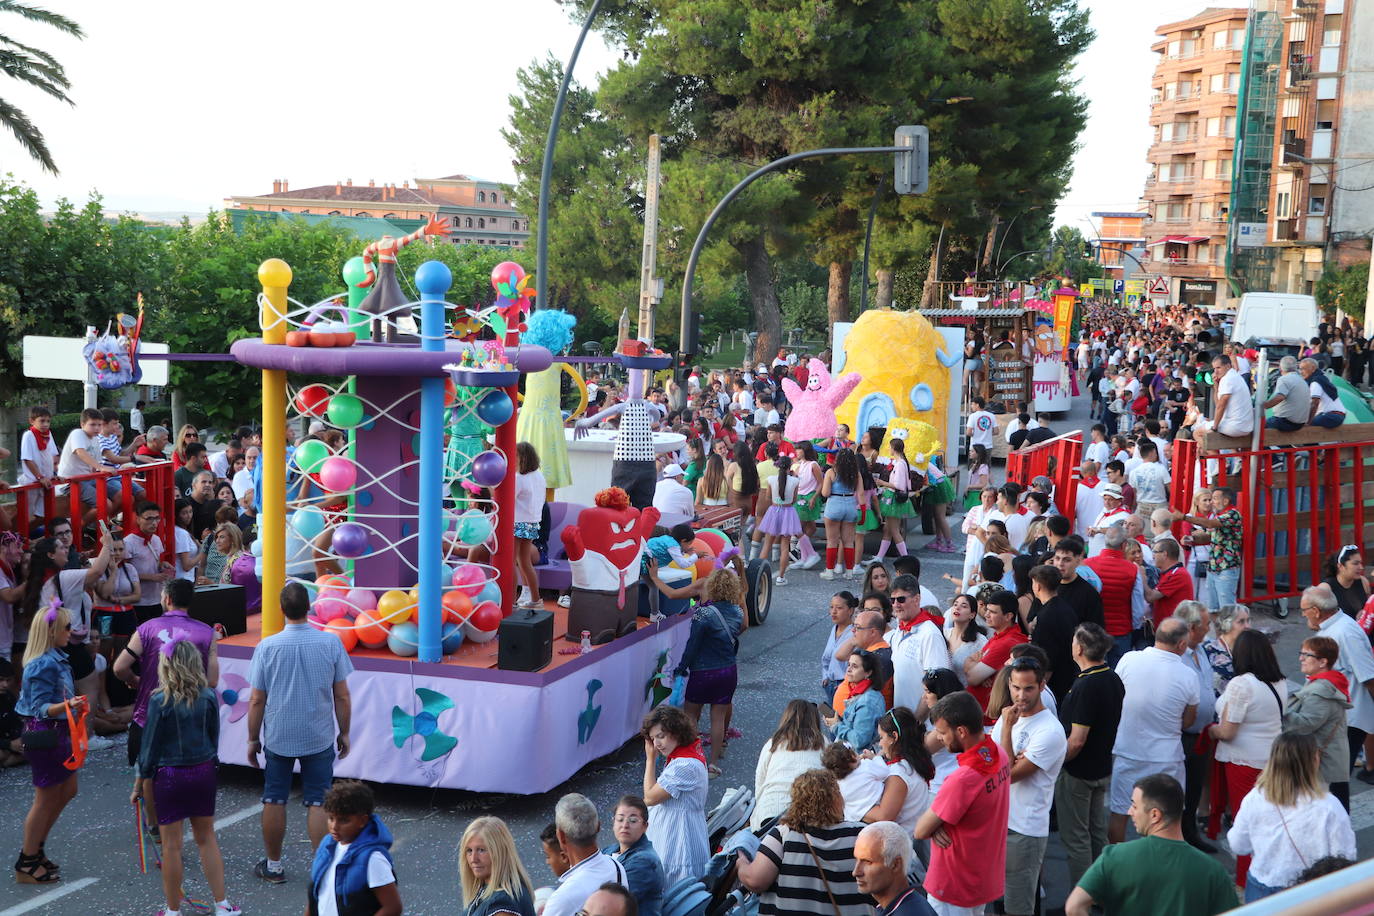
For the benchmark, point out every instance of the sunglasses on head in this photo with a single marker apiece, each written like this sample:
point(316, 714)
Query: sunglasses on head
point(1026, 663)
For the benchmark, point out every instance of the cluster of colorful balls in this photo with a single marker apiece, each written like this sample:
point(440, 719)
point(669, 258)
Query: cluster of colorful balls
point(709, 544)
point(360, 616)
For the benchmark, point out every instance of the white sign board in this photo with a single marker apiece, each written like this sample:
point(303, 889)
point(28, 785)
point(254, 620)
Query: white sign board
point(1159, 287)
point(1251, 235)
point(60, 358)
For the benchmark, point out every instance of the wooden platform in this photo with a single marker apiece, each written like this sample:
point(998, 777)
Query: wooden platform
point(1273, 438)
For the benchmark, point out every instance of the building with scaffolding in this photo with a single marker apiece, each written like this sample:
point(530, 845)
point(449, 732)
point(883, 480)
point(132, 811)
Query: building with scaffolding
point(1249, 254)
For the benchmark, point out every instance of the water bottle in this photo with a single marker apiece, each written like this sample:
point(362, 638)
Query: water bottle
point(586, 641)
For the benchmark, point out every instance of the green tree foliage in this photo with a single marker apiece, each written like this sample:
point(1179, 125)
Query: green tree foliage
point(1344, 288)
point(1067, 257)
point(34, 67)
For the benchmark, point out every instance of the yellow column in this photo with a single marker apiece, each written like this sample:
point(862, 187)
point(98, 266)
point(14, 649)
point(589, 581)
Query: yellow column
point(275, 277)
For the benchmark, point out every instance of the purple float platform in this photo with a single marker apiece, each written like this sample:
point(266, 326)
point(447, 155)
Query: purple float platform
point(371, 359)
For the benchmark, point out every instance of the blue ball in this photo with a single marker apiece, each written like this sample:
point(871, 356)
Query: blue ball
point(495, 408)
point(452, 637)
point(491, 591)
point(404, 639)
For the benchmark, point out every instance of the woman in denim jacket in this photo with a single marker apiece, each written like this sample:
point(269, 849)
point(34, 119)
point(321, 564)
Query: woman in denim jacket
point(710, 659)
point(47, 691)
point(858, 726)
point(178, 755)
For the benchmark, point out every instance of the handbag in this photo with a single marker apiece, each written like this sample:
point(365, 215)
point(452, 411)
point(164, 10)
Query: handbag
point(815, 858)
point(39, 739)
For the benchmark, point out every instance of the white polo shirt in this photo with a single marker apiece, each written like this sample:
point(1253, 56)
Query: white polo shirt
point(581, 881)
point(1158, 688)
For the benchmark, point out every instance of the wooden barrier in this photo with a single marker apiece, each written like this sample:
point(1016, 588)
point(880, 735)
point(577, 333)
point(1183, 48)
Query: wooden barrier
point(1057, 459)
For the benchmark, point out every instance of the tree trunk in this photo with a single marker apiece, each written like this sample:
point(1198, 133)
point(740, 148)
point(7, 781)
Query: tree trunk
point(178, 410)
point(883, 299)
point(763, 297)
point(930, 294)
point(985, 267)
point(837, 302)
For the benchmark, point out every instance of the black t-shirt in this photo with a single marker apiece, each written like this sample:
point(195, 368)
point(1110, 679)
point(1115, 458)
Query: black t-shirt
point(1084, 599)
point(1054, 626)
point(1095, 701)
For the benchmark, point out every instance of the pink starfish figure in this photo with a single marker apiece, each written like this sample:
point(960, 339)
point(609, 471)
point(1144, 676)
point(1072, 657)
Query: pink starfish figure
point(813, 409)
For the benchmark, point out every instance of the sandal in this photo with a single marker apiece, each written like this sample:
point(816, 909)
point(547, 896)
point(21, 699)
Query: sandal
point(713, 771)
point(26, 871)
point(49, 864)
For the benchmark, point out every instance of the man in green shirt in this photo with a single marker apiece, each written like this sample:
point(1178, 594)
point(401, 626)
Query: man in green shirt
point(1158, 873)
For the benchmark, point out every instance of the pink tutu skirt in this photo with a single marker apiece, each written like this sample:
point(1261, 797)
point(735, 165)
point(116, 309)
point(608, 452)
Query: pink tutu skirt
point(781, 521)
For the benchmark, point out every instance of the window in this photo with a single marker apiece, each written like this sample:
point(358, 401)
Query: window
point(1226, 82)
point(481, 197)
point(335, 213)
point(1227, 39)
point(388, 216)
point(481, 223)
point(1316, 205)
point(469, 223)
point(363, 213)
point(1224, 169)
point(1283, 205)
point(495, 197)
point(1204, 253)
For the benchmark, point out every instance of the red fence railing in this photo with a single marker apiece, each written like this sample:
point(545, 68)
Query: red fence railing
point(155, 478)
point(1058, 459)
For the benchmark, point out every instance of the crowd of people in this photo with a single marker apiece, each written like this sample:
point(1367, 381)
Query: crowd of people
point(1101, 668)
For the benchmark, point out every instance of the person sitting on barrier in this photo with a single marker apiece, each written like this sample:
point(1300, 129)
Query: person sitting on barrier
point(1291, 400)
point(80, 456)
point(1327, 410)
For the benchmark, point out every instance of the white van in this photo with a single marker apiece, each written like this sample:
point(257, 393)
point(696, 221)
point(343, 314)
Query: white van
point(1276, 319)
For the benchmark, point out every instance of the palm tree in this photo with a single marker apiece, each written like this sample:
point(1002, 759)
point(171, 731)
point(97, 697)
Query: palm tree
point(37, 68)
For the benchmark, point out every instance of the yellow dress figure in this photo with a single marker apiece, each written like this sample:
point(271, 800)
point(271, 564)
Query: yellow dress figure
point(540, 422)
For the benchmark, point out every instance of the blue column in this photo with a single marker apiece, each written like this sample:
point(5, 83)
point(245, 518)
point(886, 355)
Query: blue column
point(432, 279)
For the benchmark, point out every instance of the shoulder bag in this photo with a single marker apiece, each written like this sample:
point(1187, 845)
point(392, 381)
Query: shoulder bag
point(821, 871)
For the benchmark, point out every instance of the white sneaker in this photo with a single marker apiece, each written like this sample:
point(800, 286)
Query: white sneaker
point(99, 743)
point(810, 563)
point(565, 600)
point(779, 580)
point(230, 910)
point(852, 573)
point(829, 574)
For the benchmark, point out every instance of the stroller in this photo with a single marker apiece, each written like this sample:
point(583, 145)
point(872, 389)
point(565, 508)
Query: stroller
point(718, 893)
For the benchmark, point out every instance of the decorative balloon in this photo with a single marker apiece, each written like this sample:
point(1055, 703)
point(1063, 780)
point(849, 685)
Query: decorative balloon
point(451, 639)
point(483, 624)
point(495, 408)
point(310, 455)
point(345, 411)
point(343, 628)
point(457, 606)
point(313, 400)
point(359, 600)
point(308, 522)
point(505, 279)
point(474, 527)
point(350, 540)
point(328, 609)
point(404, 639)
point(394, 606)
point(371, 629)
point(469, 578)
point(488, 469)
point(491, 591)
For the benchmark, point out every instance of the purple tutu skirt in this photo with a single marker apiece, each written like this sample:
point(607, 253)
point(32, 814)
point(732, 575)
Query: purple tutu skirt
point(47, 764)
point(184, 792)
point(781, 521)
point(712, 687)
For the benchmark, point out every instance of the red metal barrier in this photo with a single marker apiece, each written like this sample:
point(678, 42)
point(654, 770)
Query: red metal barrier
point(156, 480)
point(1057, 459)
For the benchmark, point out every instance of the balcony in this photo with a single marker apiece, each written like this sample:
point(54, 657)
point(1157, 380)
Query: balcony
point(1286, 230)
point(1294, 151)
point(1299, 69)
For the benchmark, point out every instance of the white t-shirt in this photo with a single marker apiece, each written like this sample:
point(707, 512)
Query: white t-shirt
point(766, 417)
point(68, 465)
point(219, 464)
point(1101, 452)
point(43, 460)
point(744, 398)
point(136, 420)
point(185, 544)
point(674, 500)
point(1151, 482)
point(1158, 689)
point(379, 874)
point(1018, 524)
point(1041, 738)
point(914, 653)
point(529, 497)
point(980, 427)
point(1325, 404)
point(243, 484)
point(1249, 701)
point(863, 787)
point(1239, 416)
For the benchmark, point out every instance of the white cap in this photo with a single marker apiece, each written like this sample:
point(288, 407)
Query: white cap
point(673, 470)
point(316, 426)
point(1112, 489)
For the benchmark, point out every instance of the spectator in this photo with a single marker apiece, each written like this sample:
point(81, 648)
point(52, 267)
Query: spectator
point(1113, 513)
point(1088, 503)
point(1053, 628)
point(968, 819)
point(1290, 804)
point(1250, 718)
point(14, 576)
point(222, 462)
point(863, 781)
point(154, 447)
point(981, 668)
point(353, 868)
point(918, 644)
point(1016, 520)
point(1091, 715)
point(187, 552)
point(1291, 402)
point(1161, 701)
point(1123, 594)
point(1197, 758)
point(554, 856)
point(1224, 547)
point(136, 422)
point(1150, 479)
point(980, 425)
point(672, 499)
point(677, 823)
point(1319, 709)
point(137, 665)
point(187, 435)
point(1322, 613)
point(710, 658)
point(493, 878)
point(807, 859)
point(1344, 575)
point(882, 862)
point(81, 456)
point(1081, 595)
point(964, 636)
point(588, 867)
point(299, 679)
point(842, 607)
point(38, 454)
point(243, 480)
point(144, 549)
point(1233, 413)
point(610, 899)
point(901, 745)
point(1158, 873)
point(1229, 621)
point(1174, 585)
point(193, 462)
point(1098, 450)
point(858, 724)
point(643, 868)
point(1034, 741)
point(1327, 411)
point(869, 628)
point(794, 748)
point(177, 758)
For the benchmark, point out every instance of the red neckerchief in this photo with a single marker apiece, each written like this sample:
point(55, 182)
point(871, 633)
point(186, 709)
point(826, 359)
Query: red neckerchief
point(919, 619)
point(692, 751)
point(1336, 680)
point(982, 757)
point(1090, 482)
point(43, 436)
point(1022, 510)
point(858, 687)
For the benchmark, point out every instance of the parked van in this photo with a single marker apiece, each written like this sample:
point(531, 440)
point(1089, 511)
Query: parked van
point(1283, 321)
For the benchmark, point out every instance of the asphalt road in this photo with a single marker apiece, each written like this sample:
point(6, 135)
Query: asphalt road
point(94, 839)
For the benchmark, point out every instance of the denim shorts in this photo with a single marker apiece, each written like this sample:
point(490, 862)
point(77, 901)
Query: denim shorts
point(317, 774)
point(114, 489)
point(841, 507)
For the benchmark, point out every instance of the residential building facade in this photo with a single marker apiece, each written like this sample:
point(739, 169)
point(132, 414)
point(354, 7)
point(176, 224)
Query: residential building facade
point(480, 212)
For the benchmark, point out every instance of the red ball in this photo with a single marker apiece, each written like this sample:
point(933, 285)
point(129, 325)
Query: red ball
point(313, 400)
point(487, 616)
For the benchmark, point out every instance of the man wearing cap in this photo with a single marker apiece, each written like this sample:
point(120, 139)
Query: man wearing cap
point(673, 500)
point(1113, 513)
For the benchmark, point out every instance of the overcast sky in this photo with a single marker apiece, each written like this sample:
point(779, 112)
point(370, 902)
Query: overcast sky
point(180, 104)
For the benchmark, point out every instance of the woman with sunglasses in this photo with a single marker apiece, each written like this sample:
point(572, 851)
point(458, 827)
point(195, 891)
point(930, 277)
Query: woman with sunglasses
point(1344, 573)
point(185, 436)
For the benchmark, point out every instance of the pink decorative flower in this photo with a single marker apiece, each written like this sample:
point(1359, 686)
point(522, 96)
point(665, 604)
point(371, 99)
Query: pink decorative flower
point(234, 695)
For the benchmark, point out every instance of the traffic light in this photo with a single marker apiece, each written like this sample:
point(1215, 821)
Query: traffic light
point(911, 170)
point(1088, 250)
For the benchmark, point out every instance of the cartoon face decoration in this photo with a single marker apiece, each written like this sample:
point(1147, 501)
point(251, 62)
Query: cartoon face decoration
point(1044, 338)
point(616, 534)
point(921, 440)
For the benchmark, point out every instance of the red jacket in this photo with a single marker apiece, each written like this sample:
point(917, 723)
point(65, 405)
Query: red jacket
point(1118, 576)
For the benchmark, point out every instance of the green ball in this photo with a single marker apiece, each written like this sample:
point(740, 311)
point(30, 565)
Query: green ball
point(310, 455)
point(345, 411)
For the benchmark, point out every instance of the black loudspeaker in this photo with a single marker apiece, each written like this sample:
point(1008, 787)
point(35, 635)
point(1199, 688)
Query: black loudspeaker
point(222, 604)
point(524, 641)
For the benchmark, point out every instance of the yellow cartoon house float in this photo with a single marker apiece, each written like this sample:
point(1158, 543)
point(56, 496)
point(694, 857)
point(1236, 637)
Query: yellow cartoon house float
point(908, 375)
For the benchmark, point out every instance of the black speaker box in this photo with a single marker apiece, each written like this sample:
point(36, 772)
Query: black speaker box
point(222, 604)
point(524, 641)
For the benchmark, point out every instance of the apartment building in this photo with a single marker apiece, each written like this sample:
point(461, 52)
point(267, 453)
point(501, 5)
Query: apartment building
point(1120, 235)
point(1193, 113)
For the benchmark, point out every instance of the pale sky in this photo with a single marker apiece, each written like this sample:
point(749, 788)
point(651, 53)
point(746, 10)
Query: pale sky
point(179, 105)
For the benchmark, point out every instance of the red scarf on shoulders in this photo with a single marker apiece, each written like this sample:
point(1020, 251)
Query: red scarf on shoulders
point(858, 687)
point(982, 757)
point(919, 619)
point(1090, 482)
point(42, 436)
point(692, 751)
point(1336, 679)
